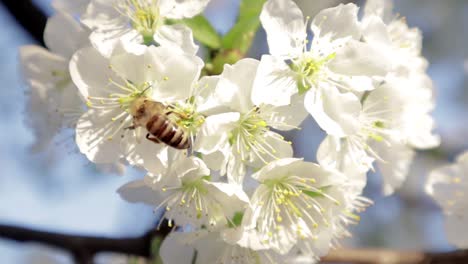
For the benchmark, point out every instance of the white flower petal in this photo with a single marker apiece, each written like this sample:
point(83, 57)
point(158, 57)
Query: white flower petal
point(278, 149)
point(355, 83)
point(117, 168)
point(217, 160)
point(289, 116)
point(455, 228)
point(236, 169)
point(420, 132)
point(209, 101)
point(337, 22)
point(284, 24)
point(231, 195)
point(337, 154)
point(61, 25)
point(105, 40)
point(358, 58)
point(444, 182)
point(397, 159)
point(109, 26)
point(275, 82)
point(214, 132)
point(375, 32)
point(336, 113)
point(137, 66)
point(176, 36)
point(379, 8)
point(40, 64)
point(102, 13)
point(174, 250)
point(271, 169)
point(95, 136)
point(178, 77)
point(138, 192)
point(90, 72)
point(244, 237)
point(448, 185)
point(71, 7)
point(145, 154)
point(176, 9)
point(51, 93)
point(235, 91)
point(189, 169)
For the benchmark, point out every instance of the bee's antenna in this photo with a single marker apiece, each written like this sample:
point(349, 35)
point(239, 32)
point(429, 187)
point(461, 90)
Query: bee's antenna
point(146, 89)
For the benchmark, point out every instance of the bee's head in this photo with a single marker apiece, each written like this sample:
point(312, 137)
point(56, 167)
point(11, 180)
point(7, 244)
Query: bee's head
point(137, 110)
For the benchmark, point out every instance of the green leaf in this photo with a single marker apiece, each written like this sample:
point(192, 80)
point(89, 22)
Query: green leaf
point(240, 36)
point(250, 8)
point(202, 30)
point(155, 247)
point(237, 42)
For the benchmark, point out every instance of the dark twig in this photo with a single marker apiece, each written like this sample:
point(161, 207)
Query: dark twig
point(29, 16)
point(83, 248)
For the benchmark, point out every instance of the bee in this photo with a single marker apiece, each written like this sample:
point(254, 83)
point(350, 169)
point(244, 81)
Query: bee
point(154, 116)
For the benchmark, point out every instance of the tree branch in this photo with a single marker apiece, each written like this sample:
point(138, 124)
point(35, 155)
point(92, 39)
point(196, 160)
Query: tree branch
point(373, 256)
point(381, 256)
point(29, 16)
point(83, 248)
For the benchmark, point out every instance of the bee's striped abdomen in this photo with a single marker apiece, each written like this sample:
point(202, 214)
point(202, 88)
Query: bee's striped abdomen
point(167, 132)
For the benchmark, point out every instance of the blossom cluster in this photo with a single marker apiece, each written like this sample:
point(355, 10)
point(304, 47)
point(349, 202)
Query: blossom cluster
point(129, 80)
point(447, 185)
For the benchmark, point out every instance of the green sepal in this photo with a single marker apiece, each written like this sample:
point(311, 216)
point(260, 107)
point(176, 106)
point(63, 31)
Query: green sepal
point(202, 30)
point(236, 220)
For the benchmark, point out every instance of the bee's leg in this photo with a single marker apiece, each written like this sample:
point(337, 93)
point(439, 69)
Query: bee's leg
point(132, 127)
point(153, 139)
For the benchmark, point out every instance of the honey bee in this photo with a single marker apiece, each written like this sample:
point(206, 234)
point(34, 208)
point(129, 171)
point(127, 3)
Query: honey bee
point(154, 116)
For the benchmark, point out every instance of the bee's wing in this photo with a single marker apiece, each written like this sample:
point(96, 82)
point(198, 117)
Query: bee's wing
point(156, 107)
point(138, 131)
